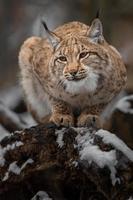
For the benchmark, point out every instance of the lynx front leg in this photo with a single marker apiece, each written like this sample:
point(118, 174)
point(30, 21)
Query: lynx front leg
point(90, 117)
point(61, 114)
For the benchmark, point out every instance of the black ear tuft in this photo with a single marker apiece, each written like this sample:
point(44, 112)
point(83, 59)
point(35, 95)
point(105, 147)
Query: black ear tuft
point(52, 37)
point(45, 25)
point(98, 13)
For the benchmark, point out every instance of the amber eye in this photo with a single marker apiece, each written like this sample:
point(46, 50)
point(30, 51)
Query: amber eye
point(62, 59)
point(83, 54)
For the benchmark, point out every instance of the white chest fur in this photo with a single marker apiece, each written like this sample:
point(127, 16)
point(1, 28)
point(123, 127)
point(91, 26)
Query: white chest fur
point(77, 93)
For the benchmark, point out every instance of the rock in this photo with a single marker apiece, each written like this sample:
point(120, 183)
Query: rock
point(66, 163)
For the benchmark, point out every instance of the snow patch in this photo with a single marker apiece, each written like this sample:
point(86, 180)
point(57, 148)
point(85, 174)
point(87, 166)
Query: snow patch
point(8, 148)
point(89, 152)
point(41, 195)
point(29, 161)
point(109, 138)
point(6, 176)
point(124, 105)
point(14, 168)
point(75, 163)
point(60, 134)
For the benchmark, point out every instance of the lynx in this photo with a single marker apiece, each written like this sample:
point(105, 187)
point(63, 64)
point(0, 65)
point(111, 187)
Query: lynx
point(71, 75)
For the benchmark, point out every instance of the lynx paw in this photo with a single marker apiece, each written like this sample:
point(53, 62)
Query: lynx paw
point(89, 121)
point(62, 120)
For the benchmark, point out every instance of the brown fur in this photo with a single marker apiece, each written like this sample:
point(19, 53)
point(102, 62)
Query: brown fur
point(75, 69)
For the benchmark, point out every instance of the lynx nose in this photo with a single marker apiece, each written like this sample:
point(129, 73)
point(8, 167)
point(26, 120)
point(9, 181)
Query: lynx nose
point(73, 73)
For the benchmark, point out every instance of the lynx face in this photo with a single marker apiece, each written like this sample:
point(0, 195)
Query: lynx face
point(80, 66)
point(80, 62)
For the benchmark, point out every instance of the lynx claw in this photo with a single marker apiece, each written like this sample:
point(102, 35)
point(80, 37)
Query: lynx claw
point(91, 121)
point(62, 120)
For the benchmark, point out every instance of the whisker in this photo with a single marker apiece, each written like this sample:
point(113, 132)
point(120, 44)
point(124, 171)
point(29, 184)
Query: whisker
point(60, 83)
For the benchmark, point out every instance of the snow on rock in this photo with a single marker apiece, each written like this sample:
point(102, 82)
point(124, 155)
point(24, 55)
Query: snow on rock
point(60, 134)
point(75, 163)
point(91, 153)
point(8, 148)
point(14, 168)
point(124, 104)
point(3, 132)
point(109, 138)
point(29, 161)
point(41, 195)
point(6, 176)
point(84, 136)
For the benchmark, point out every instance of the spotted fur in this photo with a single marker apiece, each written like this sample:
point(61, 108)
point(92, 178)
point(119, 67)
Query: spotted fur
point(74, 68)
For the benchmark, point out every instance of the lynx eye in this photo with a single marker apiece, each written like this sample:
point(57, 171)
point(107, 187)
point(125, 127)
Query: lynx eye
point(83, 54)
point(62, 59)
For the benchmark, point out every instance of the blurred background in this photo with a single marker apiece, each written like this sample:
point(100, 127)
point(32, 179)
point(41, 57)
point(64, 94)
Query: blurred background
point(21, 19)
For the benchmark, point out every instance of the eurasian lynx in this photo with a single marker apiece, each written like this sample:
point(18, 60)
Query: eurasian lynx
point(71, 75)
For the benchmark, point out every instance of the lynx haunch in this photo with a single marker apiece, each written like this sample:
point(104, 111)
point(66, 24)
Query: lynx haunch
point(71, 75)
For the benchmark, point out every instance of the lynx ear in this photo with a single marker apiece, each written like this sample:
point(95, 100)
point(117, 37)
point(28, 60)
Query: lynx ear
point(96, 31)
point(52, 37)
